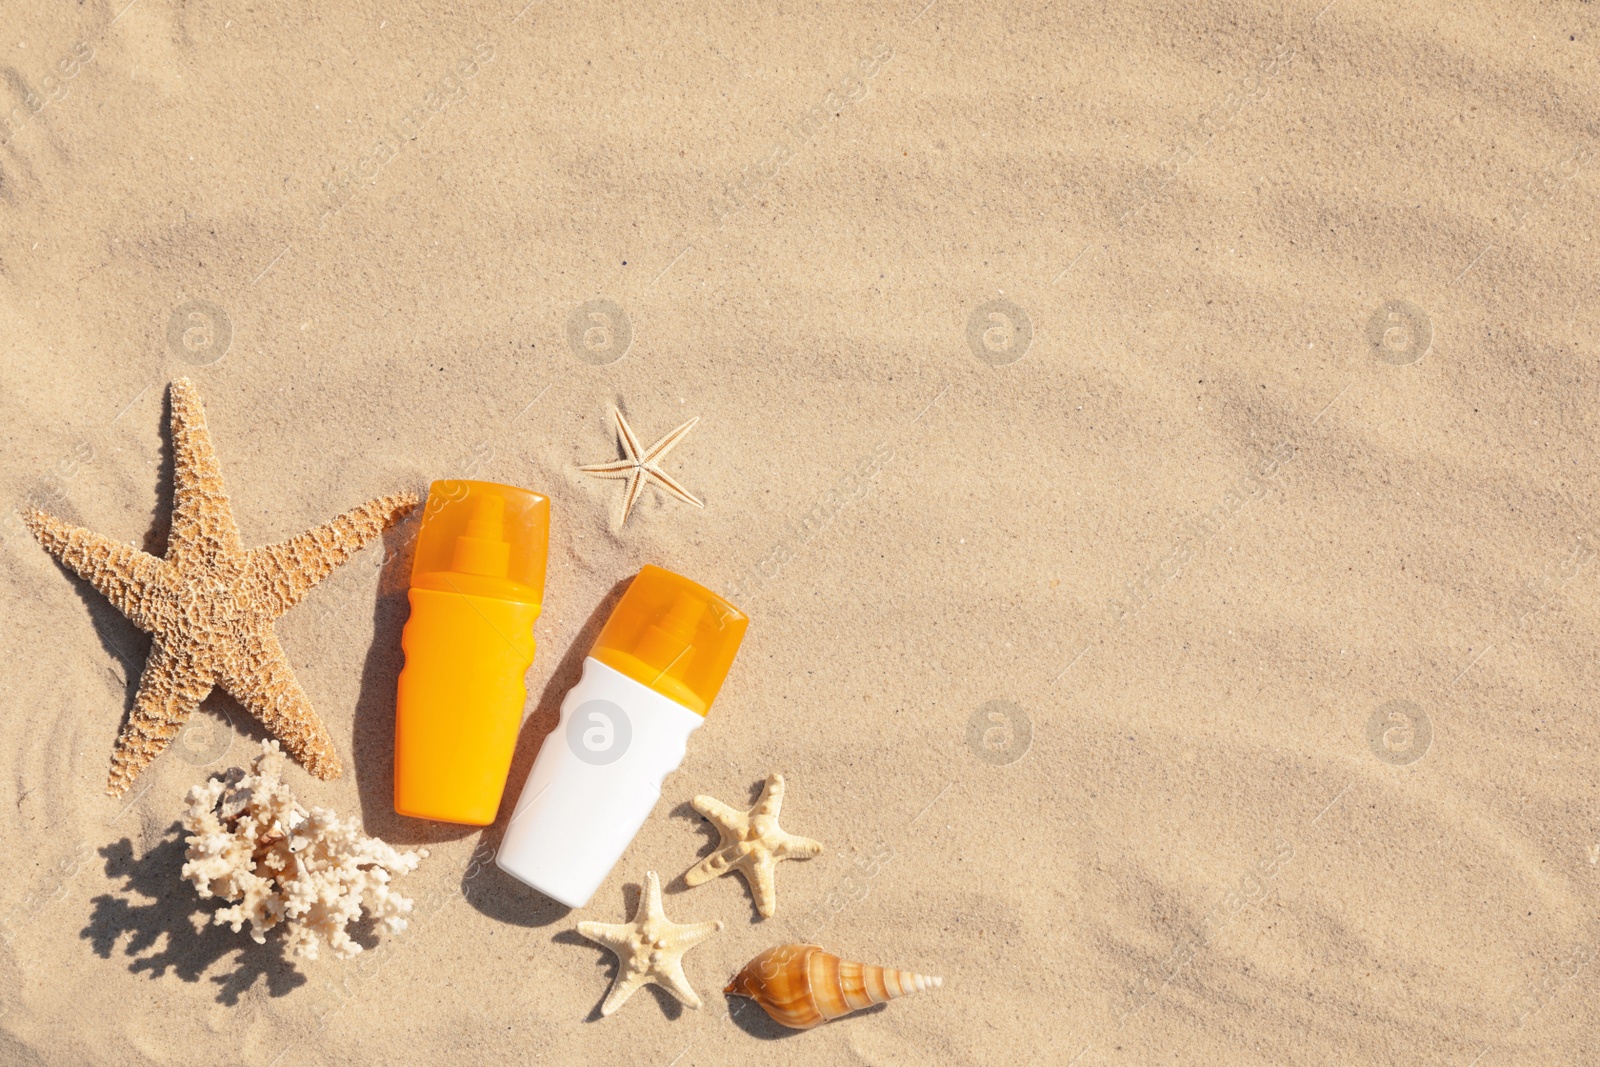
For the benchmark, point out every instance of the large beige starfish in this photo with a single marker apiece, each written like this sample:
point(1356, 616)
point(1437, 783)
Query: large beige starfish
point(640, 466)
point(649, 948)
point(752, 844)
point(210, 604)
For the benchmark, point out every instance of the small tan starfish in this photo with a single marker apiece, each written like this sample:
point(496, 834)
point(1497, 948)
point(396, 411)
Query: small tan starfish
point(210, 604)
point(649, 948)
point(752, 844)
point(640, 466)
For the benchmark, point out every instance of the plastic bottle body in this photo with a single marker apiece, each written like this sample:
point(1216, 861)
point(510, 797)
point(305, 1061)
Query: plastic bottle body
point(477, 581)
point(459, 703)
point(594, 783)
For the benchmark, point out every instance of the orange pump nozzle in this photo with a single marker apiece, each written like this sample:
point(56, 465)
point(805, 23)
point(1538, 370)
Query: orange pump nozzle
point(485, 539)
point(483, 549)
point(673, 635)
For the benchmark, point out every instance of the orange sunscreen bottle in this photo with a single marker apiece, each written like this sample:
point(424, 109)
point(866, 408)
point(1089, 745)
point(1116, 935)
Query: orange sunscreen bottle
point(476, 588)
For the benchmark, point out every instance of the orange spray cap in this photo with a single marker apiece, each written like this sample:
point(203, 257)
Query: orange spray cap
point(673, 635)
point(484, 539)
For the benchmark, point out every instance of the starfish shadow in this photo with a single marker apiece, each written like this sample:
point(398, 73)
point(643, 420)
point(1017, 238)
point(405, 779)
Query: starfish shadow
point(671, 1007)
point(129, 645)
point(155, 916)
point(126, 643)
point(687, 811)
point(498, 895)
point(155, 539)
point(609, 963)
point(121, 638)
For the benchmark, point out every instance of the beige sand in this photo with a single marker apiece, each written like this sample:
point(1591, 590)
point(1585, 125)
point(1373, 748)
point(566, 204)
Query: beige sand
point(1290, 630)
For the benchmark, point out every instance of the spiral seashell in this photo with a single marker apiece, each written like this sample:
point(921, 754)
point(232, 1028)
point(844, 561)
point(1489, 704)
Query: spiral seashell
point(802, 986)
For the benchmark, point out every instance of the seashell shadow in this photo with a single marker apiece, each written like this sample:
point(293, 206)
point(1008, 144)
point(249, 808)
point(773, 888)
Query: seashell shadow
point(747, 1015)
point(156, 907)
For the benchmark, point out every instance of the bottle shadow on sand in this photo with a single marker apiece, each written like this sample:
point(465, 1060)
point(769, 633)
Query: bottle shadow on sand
point(168, 927)
point(372, 745)
point(495, 893)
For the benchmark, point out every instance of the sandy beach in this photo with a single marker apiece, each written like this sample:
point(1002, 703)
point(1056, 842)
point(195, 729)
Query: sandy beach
point(1155, 449)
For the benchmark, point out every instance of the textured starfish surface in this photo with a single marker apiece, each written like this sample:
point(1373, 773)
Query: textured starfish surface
point(210, 604)
point(641, 466)
point(649, 949)
point(752, 844)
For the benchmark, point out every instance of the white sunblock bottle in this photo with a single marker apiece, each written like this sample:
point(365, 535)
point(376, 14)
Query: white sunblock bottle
point(647, 685)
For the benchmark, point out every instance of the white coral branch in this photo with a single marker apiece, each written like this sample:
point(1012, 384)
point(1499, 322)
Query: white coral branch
point(251, 844)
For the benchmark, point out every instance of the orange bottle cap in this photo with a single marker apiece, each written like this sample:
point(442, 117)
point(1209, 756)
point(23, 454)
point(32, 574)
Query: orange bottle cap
point(483, 539)
point(673, 635)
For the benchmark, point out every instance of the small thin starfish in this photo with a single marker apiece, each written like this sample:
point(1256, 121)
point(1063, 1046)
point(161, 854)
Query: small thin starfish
point(641, 466)
point(752, 844)
point(210, 604)
point(649, 949)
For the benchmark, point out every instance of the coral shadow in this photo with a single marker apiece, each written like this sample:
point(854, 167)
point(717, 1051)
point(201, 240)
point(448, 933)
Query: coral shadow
point(166, 916)
point(501, 896)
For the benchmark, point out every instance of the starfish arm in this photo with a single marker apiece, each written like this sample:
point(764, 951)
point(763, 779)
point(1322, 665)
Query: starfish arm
point(169, 690)
point(624, 987)
point(672, 485)
point(665, 445)
point(630, 441)
point(763, 885)
point(282, 574)
point(717, 864)
point(712, 866)
point(202, 518)
point(650, 904)
point(614, 936)
point(771, 797)
point(795, 847)
point(720, 814)
point(631, 496)
point(668, 974)
point(256, 672)
point(686, 936)
point(120, 572)
point(621, 469)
